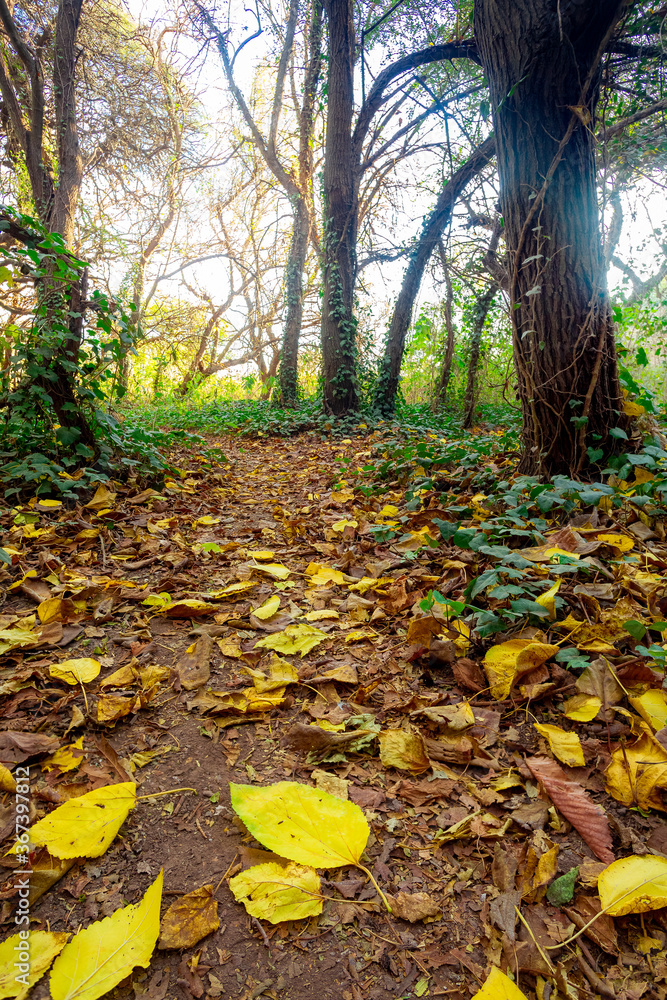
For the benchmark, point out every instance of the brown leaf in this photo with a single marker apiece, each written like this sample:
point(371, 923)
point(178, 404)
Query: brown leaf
point(504, 868)
point(575, 804)
point(598, 680)
point(603, 931)
point(194, 667)
point(413, 906)
point(502, 911)
point(189, 919)
point(468, 674)
point(46, 871)
point(15, 748)
point(306, 738)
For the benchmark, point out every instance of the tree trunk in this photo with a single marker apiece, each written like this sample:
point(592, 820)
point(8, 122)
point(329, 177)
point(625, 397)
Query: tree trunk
point(482, 307)
point(390, 366)
point(339, 331)
point(542, 61)
point(450, 339)
point(70, 164)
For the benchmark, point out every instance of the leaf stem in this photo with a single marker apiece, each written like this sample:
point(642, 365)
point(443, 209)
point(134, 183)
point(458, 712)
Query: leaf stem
point(169, 791)
point(379, 890)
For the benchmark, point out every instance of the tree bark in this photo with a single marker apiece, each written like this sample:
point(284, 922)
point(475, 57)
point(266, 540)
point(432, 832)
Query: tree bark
point(482, 307)
point(390, 366)
point(341, 204)
point(450, 339)
point(302, 207)
point(542, 62)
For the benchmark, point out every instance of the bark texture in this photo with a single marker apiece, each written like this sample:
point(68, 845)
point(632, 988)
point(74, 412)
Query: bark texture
point(341, 203)
point(434, 225)
point(482, 307)
point(542, 59)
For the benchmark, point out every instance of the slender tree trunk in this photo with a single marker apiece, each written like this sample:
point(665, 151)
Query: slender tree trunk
point(542, 61)
point(482, 307)
point(390, 366)
point(450, 338)
point(64, 86)
point(302, 207)
point(339, 333)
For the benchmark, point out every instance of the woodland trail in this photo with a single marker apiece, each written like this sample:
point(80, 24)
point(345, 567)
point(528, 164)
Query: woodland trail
point(171, 594)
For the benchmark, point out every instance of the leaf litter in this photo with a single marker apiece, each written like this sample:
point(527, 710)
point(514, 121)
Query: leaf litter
point(403, 740)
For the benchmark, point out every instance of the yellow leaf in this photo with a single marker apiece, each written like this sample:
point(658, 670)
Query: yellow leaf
point(622, 543)
point(462, 642)
point(230, 648)
point(278, 892)
point(498, 986)
point(19, 634)
point(638, 773)
point(321, 575)
point(25, 957)
point(342, 525)
point(268, 608)
point(7, 782)
point(49, 610)
point(263, 555)
point(547, 599)
point(359, 634)
point(206, 521)
point(85, 826)
point(112, 707)
point(281, 673)
point(389, 510)
point(49, 504)
point(294, 639)
point(634, 885)
point(632, 409)
point(318, 616)
point(189, 919)
point(565, 746)
point(232, 590)
point(64, 759)
point(302, 823)
point(188, 609)
point(106, 952)
point(507, 661)
point(81, 671)
point(402, 750)
point(582, 707)
point(370, 583)
point(103, 498)
point(652, 706)
point(275, 570)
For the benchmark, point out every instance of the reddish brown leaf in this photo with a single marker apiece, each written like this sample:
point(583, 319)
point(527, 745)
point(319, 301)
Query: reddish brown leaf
point(575, 804)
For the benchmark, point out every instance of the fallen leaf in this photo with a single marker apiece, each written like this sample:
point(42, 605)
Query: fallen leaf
point(194, 667)
point(638, 773)
point(507, 661)
point(85, 826)
point(547, 599)
point(582, 707)
point(566, 746)
point(25, 957)
point(634, 885)
point(307, 738)
point(268, 608)
point(189, 919)
point(81, 671)
point(414, 906)
point(499, 987)
point(7, 782)
point(103, 498)
point(17, 747)
point(188, 609)
point(112, 707)
point(405, 751)
point(277, 892)
point(652, 706)
point(66, 759)
point(105, 952)
point(575, 804)
point(302, 824)
point(275, 570)
point(294, 639)
point(233, 590)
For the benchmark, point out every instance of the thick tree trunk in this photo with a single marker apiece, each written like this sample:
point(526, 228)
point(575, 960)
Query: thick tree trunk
point(482, 307)
point(340, 218)
point(390, 366)
point(541, 60)
point(450, 338)
point(64, 87)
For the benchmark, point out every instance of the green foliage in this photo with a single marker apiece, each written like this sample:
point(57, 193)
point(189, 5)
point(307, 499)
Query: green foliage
point(56, 428)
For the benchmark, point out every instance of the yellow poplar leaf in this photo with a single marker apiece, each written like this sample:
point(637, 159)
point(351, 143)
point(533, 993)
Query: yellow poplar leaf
point(188, 609)
point(106, 952)
point(319, 616)
point(389, 510)
point(462, 643)
point(189, 919)
point(281, 672)
point(206, 521)
point(652, 706)
point(278, 892)
point(103, 498)
point(498, 986)
point(233, 590)
point(49, 504)
point(632, 409)
point(359, 634)
point(7, 782)
point(294, 639)
point(638, 773)
point(302, 824)
point(123, 677)
point(41, 947)
point(81, 671)
point(275, 570)
point(547, 599)
point(622, 543)
point(85, 826)
point(268, 608)
point(507, 661)
point(87, 534)
point(634, 885)
point(322, 575)
point(64, 759)
point(112, 707)
point(565, 746)
point(49, 610)
point(370, 583)
point(402, 750)
point(230, 648)
point(263, 555)
point(342, 525)
point(582, 707)
point(642, 476)
point(18, 635)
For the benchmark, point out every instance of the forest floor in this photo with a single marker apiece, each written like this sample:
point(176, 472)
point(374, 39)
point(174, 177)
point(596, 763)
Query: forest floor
point(471, 817)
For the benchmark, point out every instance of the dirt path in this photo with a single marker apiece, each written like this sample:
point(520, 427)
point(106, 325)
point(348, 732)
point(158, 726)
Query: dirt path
point(450, 825)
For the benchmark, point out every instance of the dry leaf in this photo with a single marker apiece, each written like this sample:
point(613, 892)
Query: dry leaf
point(189, 919)
point(402, 750)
